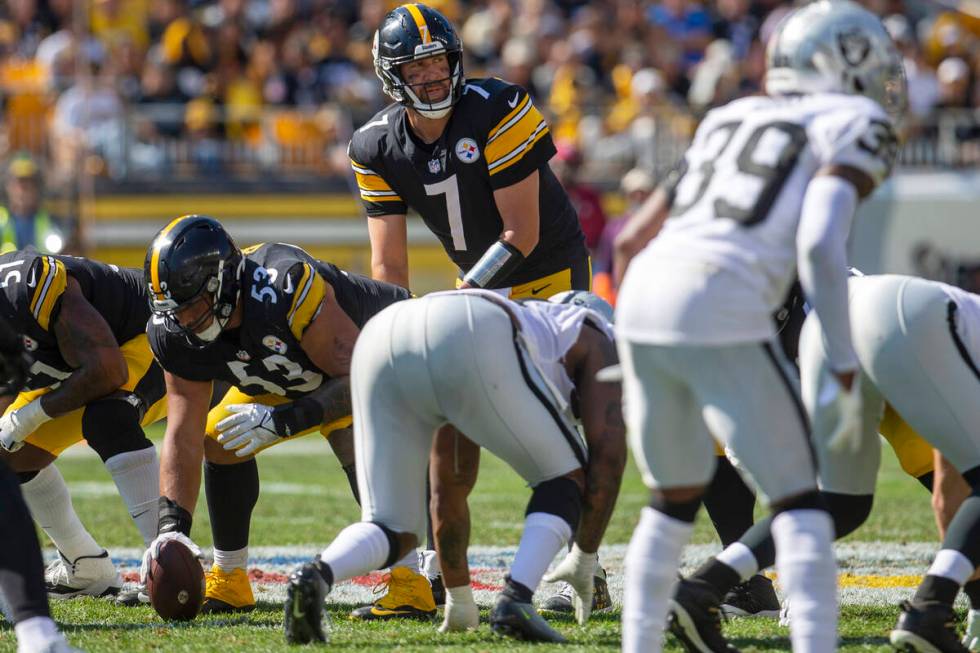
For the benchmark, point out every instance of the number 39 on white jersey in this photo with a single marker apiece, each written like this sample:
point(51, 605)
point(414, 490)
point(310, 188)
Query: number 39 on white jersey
point(726, 256)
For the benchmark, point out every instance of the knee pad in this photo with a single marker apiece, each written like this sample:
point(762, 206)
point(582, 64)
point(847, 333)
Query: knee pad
point(112, 425)
point(684, 511)
point(848, 511)
point(393, 546)
point(560, 497)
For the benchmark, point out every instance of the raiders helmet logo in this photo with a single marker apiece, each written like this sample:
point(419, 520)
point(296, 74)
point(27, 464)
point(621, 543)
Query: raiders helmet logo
point(854, 46)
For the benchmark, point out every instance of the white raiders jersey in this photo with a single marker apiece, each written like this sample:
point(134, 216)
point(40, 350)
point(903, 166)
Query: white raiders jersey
point(548, 330)
point(726, 257)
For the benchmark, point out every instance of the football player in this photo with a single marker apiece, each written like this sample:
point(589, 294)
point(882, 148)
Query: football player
point(768, 183)
point(470, 156)
point(454, 357)
point(21, 569)
point(279, 326)
point(92, 377)
point(918, 349)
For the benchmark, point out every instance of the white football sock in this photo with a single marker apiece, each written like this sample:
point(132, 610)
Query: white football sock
point(543, 537)
point(808, 574)
point(47, 496)
point(35, 633)
point(137, 475)
point(410, 561)
point(231, 560)
point(951, 564)
point(358, 549)
point(429, 562)
point(652, 561)
point(739, 557)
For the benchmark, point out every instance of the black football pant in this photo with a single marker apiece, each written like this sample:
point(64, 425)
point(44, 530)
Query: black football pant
point(21, 568)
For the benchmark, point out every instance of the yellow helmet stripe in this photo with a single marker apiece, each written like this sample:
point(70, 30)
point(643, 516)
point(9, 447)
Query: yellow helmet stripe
point(419, 22)
point(155, 259)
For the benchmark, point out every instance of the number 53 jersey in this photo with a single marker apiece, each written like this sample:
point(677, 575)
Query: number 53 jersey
point(281, 290)
point(726, 256)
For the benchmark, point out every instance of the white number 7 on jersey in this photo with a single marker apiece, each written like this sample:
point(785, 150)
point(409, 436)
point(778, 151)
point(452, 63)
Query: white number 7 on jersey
point(454, 212)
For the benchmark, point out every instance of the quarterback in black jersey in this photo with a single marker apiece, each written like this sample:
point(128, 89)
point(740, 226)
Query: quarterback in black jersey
point(279, 326)
point(92, 376)
point(470, 156)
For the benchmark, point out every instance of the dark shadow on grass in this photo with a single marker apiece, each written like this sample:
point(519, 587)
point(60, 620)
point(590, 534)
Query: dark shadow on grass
point(783, 643)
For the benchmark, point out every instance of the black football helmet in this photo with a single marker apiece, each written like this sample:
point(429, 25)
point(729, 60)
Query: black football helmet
point(191, 257)
point(409, 33)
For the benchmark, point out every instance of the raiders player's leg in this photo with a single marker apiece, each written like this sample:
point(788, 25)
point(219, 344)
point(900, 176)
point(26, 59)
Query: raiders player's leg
point(673, 449)
point(22, 571)
point(508, 410)
point(754, 420)
point(84, 567)
point(396, 412)
point(913, 352)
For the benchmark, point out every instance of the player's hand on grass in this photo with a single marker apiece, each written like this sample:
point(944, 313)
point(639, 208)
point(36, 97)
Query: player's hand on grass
point(578, 569)
point(461, 612)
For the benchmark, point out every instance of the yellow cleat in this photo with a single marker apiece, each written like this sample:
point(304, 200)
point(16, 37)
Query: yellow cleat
point(407, 596)
point(227, 592)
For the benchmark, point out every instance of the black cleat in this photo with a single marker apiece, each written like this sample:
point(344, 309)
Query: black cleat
point(753, 598)
point(926, 627)
point(303, 619)
point(510, 618)
point(561, 600)
point(695, 618)
point(438, 590)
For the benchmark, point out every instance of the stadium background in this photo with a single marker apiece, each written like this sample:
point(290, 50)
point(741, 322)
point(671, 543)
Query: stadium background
point(136, 111)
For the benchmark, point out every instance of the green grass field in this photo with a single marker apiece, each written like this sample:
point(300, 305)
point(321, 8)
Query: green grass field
point(305, 501)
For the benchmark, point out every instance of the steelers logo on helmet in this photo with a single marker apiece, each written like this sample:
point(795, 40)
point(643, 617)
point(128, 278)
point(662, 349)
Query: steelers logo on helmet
point(410, 33)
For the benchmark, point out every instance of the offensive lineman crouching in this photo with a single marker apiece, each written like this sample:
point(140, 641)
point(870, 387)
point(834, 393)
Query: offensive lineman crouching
point(453, 358)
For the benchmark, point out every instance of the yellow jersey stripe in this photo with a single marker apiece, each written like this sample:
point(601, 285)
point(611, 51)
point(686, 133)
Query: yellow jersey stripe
point(420, 23)
point(518, 153)
point(39, 290)
point(155, 259)
point(309, 295)
point(50, 290)
point(357, 167)
point(521, 107)
point(381, 198)
point(514, 137)
point(371, 182)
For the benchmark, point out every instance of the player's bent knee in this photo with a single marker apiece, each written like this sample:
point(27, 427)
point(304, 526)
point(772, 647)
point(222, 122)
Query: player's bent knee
point(561, 497)
point(216, 454)
point(682, 503)
point(111, 426)
point(848, 511)
point(29, 459)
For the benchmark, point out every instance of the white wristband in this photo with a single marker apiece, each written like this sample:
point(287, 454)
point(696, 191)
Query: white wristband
point(31, 416)
point(462, 595)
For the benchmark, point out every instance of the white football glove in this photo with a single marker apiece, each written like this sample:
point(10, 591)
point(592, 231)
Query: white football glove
point(461, 612)
point(247, 429)
point(17, 425)
point(578, 570)
point(153, 550)
point(971, 638)
point(847, 435)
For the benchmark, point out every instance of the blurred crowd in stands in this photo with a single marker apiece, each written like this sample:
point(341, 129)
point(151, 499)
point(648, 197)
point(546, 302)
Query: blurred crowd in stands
point(168, 88)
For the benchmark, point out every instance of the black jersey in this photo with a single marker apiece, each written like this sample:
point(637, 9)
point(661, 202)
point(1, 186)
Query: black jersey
point(494, 139)
point(33, 285)
point(282, 288)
